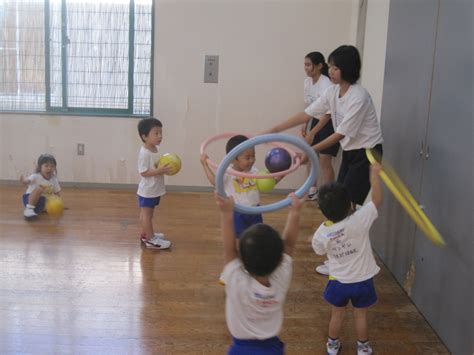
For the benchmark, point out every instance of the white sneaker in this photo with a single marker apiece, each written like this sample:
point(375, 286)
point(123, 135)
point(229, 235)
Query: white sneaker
point(157, 243)
point(323, 269)
point(160, 236)
point(333, 347)
point(29, 213)
point(364, 349)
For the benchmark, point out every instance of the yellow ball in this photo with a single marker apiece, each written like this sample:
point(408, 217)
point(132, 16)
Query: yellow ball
point(171, 159)
point(265, 185)
point(54, 205)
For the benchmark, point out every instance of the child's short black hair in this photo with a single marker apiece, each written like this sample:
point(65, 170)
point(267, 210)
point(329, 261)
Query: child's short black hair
point(347, 59)
point(261, 249)
point(145, 125)
point(234, 142)
point(45, 159)
point(334, 201)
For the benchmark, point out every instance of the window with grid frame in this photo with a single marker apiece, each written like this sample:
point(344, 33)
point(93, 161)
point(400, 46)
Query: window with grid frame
point(76, 56)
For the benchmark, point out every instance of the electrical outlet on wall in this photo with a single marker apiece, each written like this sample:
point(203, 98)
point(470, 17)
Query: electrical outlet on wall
point(211, 68)
point(80, 149)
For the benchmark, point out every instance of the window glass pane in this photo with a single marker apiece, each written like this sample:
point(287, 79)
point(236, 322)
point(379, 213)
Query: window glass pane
point(142, 57)
point(98, 54)
point(22, 74)
point(94, 74)
point(55, 53)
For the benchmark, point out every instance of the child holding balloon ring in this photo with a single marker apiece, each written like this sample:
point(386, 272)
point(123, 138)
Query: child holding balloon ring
point(243, 190)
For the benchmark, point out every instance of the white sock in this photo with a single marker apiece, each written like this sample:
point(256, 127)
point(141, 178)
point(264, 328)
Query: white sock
point(31, 207)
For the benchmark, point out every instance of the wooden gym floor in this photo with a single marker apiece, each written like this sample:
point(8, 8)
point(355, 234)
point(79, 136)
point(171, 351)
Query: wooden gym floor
point(82, 284)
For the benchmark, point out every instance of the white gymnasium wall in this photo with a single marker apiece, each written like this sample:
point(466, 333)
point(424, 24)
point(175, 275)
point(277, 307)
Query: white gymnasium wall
point(261, 45)
point(375, 44)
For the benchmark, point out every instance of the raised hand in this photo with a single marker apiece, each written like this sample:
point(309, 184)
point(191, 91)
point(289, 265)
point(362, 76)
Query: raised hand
point(225, 204)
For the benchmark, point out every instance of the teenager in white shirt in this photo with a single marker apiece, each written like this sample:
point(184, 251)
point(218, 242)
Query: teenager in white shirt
point(257, 279)
point(344, 237)
point(354, 119)
point(315, 84)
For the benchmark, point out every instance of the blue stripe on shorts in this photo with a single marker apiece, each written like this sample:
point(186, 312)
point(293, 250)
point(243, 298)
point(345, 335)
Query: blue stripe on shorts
point(243, 221)
point(361, 294)
point(40, 205)
point(150, 202)
point(271, 346)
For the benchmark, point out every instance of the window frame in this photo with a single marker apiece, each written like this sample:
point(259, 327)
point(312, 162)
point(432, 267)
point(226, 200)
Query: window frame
point(90, 111)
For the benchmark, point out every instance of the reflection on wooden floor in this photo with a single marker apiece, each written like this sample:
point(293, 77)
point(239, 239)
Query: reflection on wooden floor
point(82, 284)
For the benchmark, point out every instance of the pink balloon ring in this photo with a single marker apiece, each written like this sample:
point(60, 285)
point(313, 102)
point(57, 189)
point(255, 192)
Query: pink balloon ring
point(295, 158)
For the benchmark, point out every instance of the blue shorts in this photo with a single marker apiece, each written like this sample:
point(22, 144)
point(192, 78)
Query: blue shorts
point(271, 346)
point(243, 221)
point(150, 202)
point(39, 205)
point(361, 294)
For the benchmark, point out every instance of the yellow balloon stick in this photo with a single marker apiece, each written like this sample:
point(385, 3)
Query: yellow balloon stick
point(406, 199)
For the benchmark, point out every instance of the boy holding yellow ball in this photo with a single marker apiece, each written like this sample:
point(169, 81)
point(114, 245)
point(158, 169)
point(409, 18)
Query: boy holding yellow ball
point(152, 183)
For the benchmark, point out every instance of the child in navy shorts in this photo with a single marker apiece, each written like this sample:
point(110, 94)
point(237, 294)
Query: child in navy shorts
point(152, 184)
point(41, 185)
point(243, 190)
point(345, 240)
point(257, 279)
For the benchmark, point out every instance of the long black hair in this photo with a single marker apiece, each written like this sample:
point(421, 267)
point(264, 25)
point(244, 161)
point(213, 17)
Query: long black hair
point(318, 58)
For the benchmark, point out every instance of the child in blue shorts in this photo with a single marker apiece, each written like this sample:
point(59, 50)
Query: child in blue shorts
point(345, 240)
point(257, 278)
point(152, 182)
point(41, 185)
point(243, 190)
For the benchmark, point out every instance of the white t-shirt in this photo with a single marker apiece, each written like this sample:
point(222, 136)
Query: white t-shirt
point(50, 186)
point(347, 246)
point(151, 186)
point(312, 92)
point(353, 116)
point(254, 311)
point(243, 190)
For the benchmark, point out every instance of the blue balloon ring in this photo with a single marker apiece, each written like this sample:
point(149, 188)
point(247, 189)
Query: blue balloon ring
point(259, 140)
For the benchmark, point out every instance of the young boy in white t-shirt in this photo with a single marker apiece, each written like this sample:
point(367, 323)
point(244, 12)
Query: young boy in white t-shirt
point(257, 279)
point(345, 240)
point(152, 183)
point(243, 190)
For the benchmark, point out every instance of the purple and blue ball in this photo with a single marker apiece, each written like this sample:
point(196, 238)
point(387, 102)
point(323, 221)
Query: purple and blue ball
point(278, 159)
